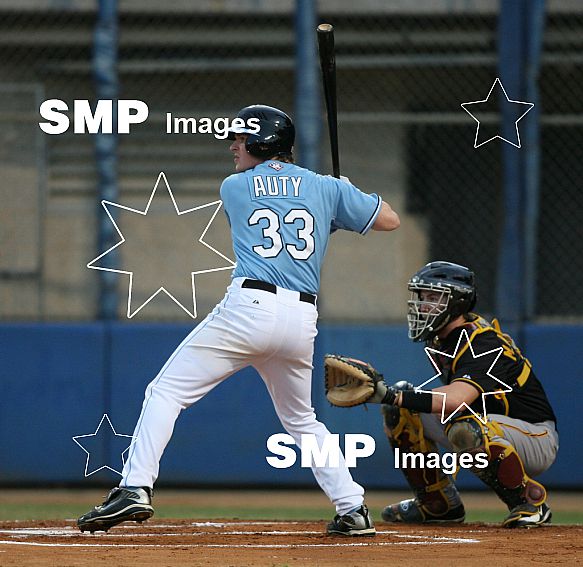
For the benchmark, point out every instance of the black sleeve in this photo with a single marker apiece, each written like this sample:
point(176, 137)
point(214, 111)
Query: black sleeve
point(482, 364)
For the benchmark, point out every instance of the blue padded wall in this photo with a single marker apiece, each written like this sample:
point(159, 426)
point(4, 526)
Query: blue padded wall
point(52, 387)
point(57, 381)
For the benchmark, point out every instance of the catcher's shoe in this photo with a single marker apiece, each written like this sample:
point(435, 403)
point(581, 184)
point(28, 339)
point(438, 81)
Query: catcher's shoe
point(413, 512)
point(356, 523)
point(121, 504)
point(528, 516)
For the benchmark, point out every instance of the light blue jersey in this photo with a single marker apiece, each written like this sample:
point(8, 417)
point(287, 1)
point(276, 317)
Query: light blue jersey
point(281, 216)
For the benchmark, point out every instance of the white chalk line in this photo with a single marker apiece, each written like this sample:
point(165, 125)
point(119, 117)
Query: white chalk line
point(136, 526)
point(69, 531)
point(245, 546)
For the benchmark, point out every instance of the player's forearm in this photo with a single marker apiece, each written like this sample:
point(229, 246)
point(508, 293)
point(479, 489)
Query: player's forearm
point(453, 396)
point(424, 402)
point(387, 218)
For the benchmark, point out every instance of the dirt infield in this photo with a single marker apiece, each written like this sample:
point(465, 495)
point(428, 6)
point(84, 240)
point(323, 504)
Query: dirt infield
point(251, 542)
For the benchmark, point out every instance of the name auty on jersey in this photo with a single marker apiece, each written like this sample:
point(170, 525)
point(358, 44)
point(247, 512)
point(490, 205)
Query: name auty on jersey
point(276, 186)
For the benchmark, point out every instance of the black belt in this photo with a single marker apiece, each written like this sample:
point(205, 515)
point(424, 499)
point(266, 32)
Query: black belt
point(265, 286)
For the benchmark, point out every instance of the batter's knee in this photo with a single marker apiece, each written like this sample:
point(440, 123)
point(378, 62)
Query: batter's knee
point(300, 423)
point(465, 435)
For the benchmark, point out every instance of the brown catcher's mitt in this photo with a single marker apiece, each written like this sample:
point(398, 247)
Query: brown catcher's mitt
point(350, 382)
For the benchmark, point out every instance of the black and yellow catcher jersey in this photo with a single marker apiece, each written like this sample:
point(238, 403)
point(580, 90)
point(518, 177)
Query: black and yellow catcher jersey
point(526, 401)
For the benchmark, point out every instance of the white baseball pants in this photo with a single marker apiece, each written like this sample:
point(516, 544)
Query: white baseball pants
point(274, 333)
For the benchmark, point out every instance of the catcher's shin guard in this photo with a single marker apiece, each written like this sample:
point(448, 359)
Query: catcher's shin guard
point(505, 472)
point(436, 497)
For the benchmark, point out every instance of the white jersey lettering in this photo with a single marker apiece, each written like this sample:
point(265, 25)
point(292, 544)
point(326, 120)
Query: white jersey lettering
point(276, 186)
point(296, 181)
point(272, 187)
point(284, 179)
point(259, 187)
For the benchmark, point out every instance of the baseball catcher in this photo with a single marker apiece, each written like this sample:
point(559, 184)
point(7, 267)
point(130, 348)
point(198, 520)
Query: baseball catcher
point(517, 432)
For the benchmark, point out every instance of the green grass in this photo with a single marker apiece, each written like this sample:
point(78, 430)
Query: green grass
point(57, 511)
point(40, 511)
point(67, 511)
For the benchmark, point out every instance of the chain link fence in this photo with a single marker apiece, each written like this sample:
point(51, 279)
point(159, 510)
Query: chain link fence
point(403, 72)
point(560, 264)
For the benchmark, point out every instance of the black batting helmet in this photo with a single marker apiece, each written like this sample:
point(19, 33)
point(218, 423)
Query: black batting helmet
point(457, 290)
point(276, 131)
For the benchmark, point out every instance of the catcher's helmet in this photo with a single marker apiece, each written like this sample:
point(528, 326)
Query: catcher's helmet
point(457, 290)
point(276, 131)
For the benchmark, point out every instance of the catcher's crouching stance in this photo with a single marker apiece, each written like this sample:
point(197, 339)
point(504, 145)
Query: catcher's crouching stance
point(519, 437)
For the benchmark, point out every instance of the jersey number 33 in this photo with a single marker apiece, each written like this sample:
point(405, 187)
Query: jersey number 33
point(303, 223)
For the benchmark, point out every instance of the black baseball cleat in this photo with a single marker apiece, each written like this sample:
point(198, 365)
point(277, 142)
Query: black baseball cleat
point(356, 523)
point(528, 516)
point(413, 512)
point(122, 504)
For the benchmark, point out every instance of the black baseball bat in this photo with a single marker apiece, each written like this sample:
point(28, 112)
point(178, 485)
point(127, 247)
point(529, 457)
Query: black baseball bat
point(328, 65)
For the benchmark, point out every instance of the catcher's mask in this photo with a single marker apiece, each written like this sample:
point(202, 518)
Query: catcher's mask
point(276, 131)
point(440, 292)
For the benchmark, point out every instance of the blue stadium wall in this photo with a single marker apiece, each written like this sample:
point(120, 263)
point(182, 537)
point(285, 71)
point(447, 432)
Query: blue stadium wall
point(59, 379)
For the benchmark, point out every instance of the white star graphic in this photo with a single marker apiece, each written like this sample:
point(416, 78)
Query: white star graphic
point(186, 261)
point(496, 352)
point(484, 102)
point(105, 417)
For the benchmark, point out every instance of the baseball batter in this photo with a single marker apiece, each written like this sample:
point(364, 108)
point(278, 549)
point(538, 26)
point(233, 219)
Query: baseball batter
point(281, 216)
